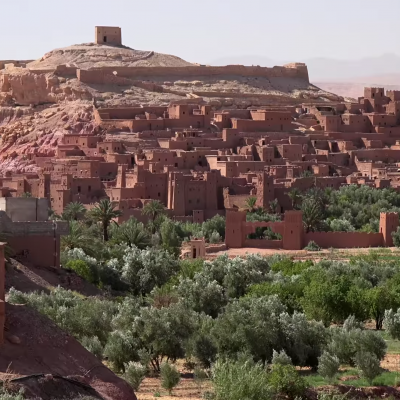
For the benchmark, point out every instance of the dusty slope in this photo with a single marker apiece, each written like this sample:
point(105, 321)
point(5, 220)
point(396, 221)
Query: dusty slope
point(46, 349)
point(90, 55)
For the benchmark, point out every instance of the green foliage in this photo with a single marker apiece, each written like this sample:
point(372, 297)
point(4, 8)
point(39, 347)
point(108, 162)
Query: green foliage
point(251, 203)
point(257, 326)
point(295, 197)
point(170, 237)
point(132, 233)
point(347, 343)
point(392, 323)
point(396, 237)
point(163, 332)
point(82, 269)
point(91, 317)
point(170, 377)
point(80, 237)
point(6, 395)
point(93, 345)
point(134, 374)
point(285, 380)
point(280, 358)
point(237, 380)
point(145, 269)
point(368, 365)
point(104, 212)
point(313, 213)
point(215, 237)
point(361, 205)
point(312, 246)
point(154, 209)
point(328, 366)
point(260, 215)
point(341, 225)
point(215, 224)
point(74, 211)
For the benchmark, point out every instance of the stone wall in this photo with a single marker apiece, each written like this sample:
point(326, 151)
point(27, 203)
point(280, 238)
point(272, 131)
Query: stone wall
point(98, 75)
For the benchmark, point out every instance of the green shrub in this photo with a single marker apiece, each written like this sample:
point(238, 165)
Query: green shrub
point(285, 380)
point(368, 365)
point(93, 345)
point(328, 366)
point(84, 270)
point(6, 395)
point(281, 358)
point(237, 380)
point(215, 237)
point(134, 374)
point(170, 377)
point(312, 246)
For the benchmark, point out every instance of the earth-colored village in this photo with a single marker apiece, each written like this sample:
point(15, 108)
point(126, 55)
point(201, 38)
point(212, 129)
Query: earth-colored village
point(102, 121)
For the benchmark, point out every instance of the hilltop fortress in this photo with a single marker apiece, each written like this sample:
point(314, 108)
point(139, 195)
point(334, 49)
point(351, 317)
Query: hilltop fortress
point(107, 121)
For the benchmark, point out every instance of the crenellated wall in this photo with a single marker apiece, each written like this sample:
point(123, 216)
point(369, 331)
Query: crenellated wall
point(294, 237)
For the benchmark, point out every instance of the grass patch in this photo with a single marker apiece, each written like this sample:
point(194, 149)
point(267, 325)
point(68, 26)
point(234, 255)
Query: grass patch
point(393, 346)
point(385, 379)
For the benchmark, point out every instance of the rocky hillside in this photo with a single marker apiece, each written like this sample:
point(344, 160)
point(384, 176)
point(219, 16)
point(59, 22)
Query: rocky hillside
point(91, 55)
point(38, 104)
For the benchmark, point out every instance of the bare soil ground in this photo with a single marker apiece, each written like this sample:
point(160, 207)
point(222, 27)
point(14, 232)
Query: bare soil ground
point(304, 254)
point(28, 278)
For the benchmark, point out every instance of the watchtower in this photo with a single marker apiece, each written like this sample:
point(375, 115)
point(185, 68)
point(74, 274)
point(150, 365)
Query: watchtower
point(108, 35)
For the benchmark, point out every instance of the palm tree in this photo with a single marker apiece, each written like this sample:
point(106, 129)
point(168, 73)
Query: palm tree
point(273, 205)
point(295, 196)
point(133, 233)
point(74, 211)
point(251, 203)
point(79, 238)
point(104, 212)
point(312, 213)
point(153, 209)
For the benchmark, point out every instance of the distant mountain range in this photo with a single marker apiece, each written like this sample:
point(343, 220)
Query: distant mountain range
point(343, 77)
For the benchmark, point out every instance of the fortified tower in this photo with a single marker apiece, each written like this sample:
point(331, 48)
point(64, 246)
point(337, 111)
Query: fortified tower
point(108, 35)
point(389, 223)
point(293, 234)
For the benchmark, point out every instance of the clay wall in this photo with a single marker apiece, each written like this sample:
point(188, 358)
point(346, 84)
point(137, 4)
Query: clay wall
point(263, 244)
point(341, 240)
point(292, 152)
point(248, 125)
point(193, 71)
point(31, 249)
point(384, 120)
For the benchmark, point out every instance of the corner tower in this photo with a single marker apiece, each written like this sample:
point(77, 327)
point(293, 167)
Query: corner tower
point(388, 223)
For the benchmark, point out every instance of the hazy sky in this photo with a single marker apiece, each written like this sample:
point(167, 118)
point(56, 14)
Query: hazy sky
point(206, 30)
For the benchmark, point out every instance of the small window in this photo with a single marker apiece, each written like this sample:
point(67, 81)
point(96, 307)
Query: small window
point(89, 188)
point(79, 189)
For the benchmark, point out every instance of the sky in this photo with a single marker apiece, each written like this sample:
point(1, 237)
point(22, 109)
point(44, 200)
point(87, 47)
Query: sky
point(207, 30)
